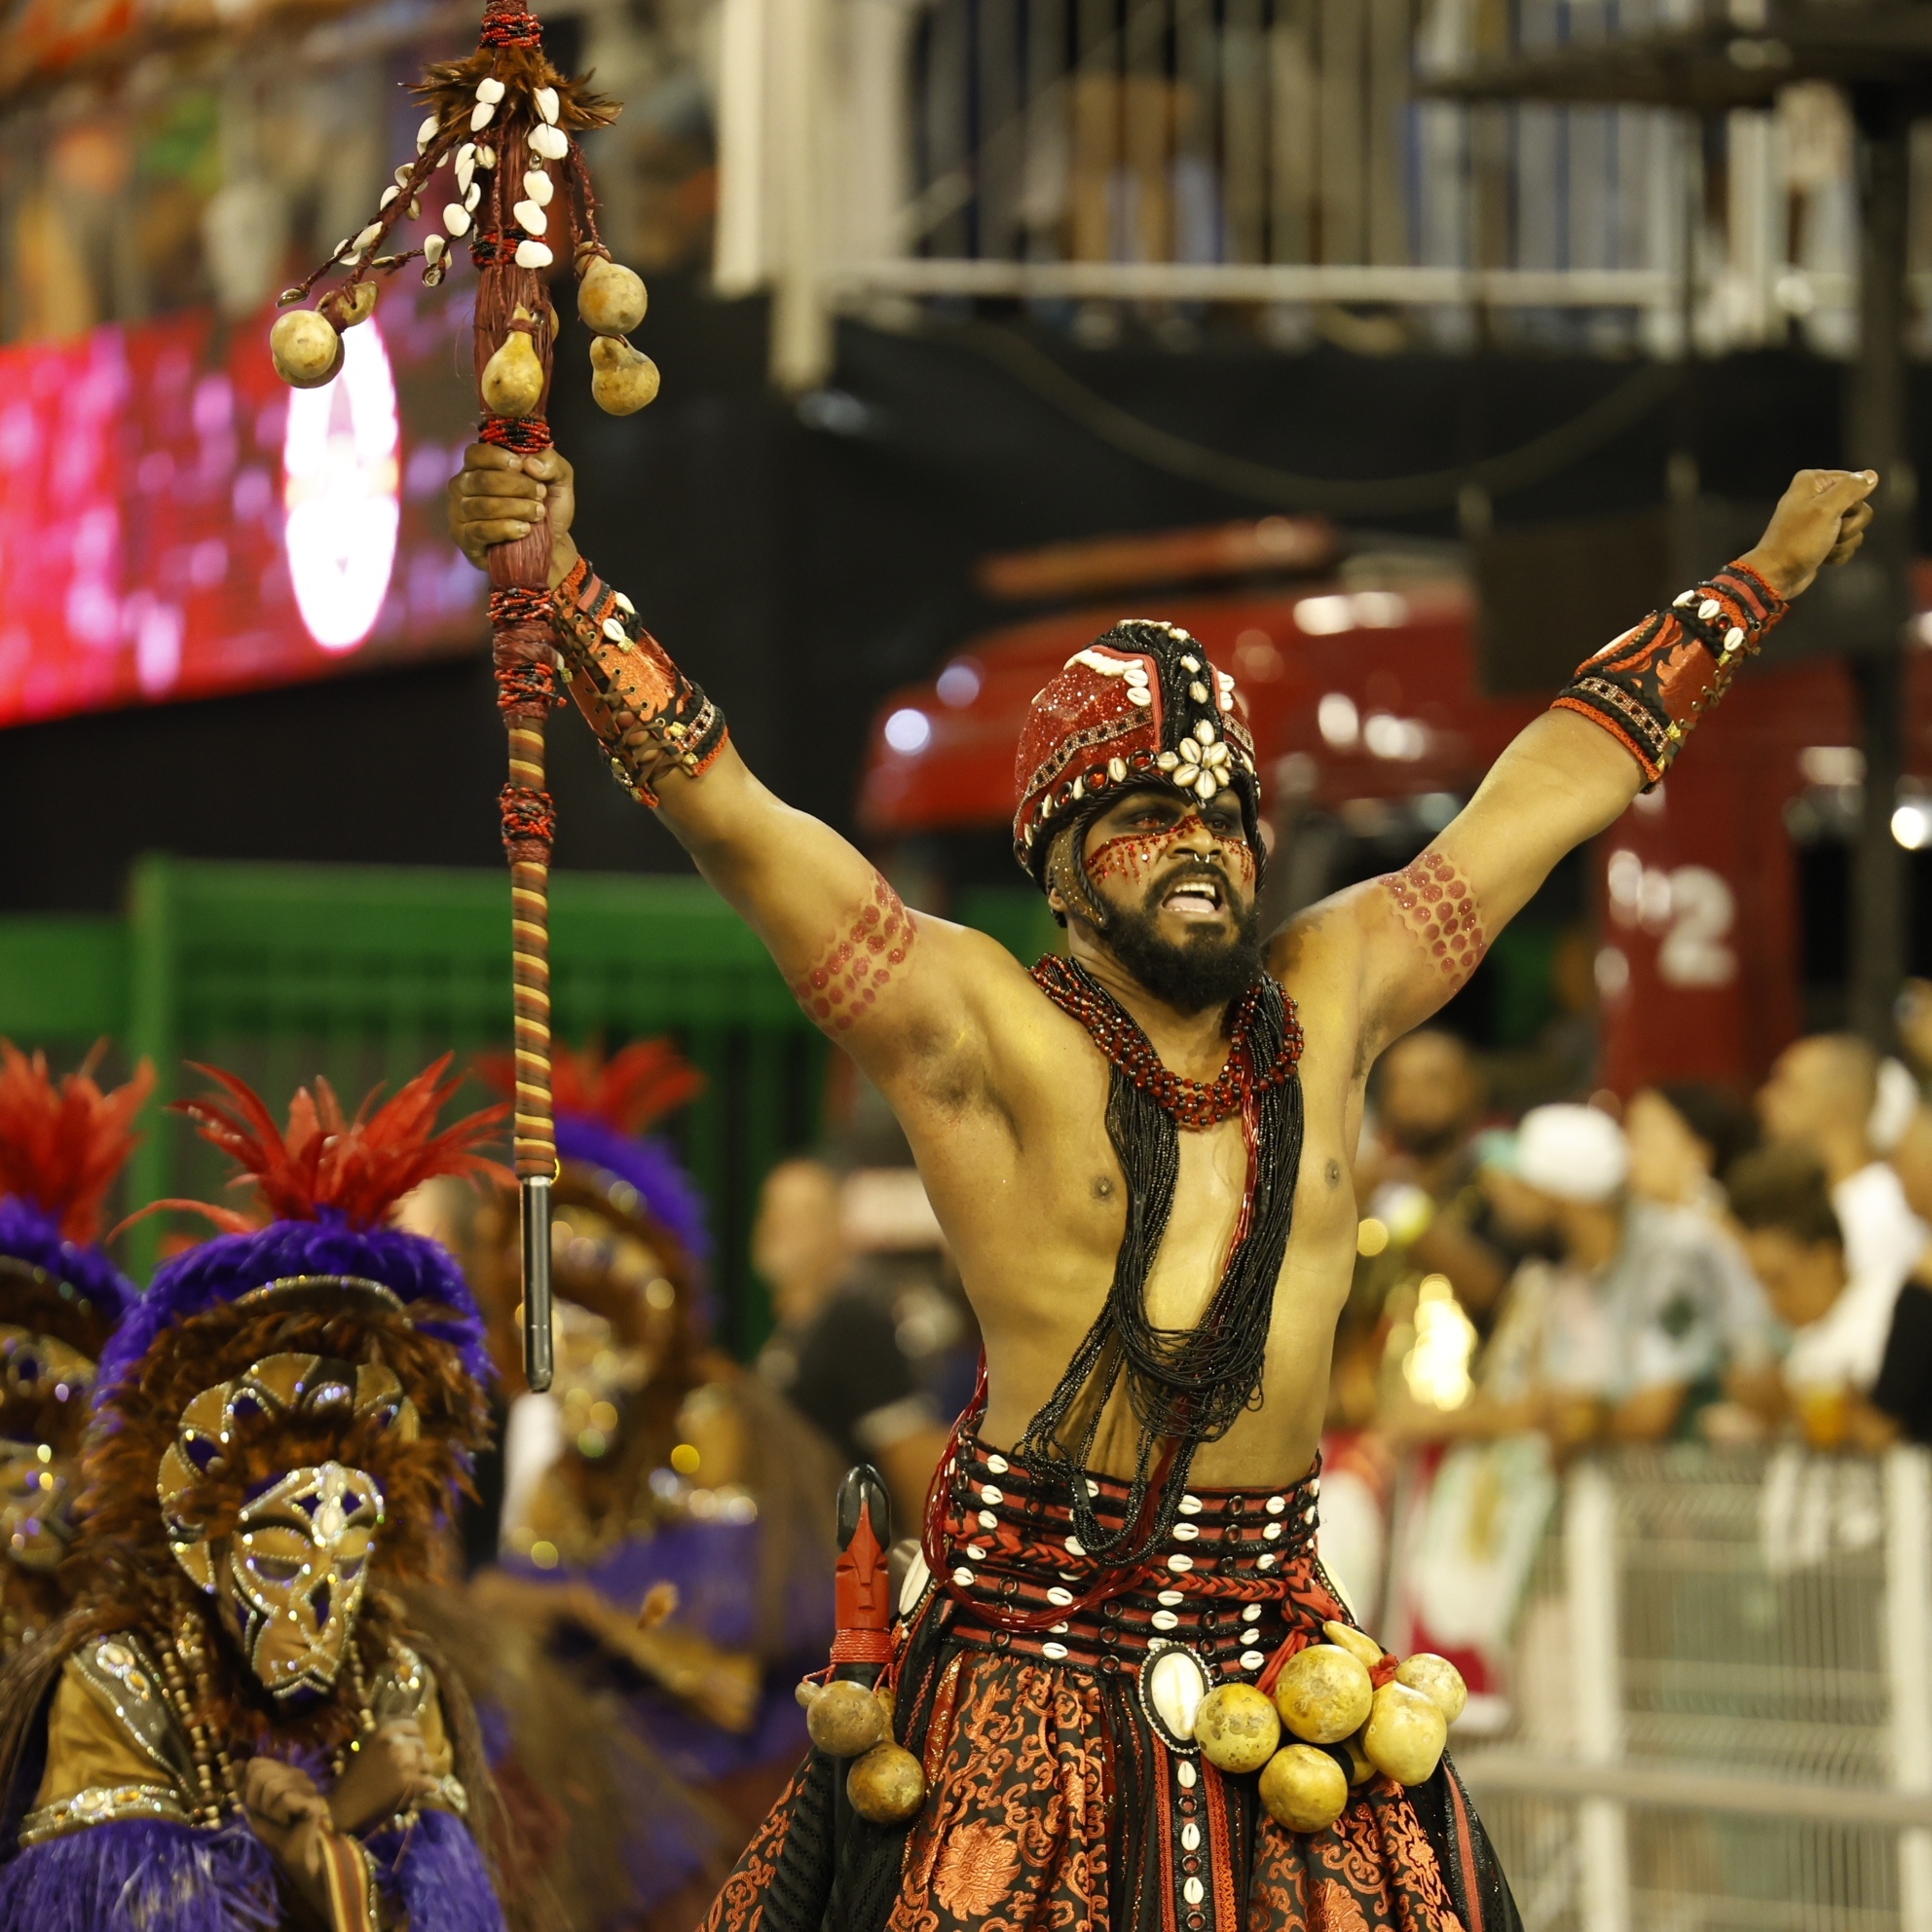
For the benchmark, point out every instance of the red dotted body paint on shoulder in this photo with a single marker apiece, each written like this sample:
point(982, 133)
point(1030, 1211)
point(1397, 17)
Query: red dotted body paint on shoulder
point(1136, 853)
point(857, 965)
point(1438, 907)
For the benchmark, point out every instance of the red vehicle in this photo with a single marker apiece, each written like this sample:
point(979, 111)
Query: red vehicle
point(1359, 677)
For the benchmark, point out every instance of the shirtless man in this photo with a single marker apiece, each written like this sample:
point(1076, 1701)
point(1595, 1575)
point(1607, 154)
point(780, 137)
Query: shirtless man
point(1114, 1147)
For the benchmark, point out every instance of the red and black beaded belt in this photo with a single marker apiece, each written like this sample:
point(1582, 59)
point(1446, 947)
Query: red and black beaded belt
point(1221, 1586)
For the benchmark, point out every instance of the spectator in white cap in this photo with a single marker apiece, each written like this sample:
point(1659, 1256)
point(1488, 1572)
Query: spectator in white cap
point(1629, 1336)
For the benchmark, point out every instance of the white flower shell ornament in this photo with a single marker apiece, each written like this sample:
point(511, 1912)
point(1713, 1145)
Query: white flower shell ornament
point(497, 159)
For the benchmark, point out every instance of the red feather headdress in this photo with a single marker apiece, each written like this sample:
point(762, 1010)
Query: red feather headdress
point(356, 1168)
point(62, 1144)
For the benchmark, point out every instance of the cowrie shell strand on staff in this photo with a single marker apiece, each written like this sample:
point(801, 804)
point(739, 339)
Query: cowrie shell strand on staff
point(531, 218)
point(537, 187)
point(547, 103)
point(552, 143)
point(533, 255)
point(480, 116)
point(489, 90)
point(456, 218)
point(427, 134)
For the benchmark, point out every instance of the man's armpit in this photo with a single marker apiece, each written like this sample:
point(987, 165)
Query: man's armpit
point(870, 949)
point(1437, 908)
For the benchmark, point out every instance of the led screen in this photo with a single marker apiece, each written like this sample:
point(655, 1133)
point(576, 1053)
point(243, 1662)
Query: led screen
point(176, 523)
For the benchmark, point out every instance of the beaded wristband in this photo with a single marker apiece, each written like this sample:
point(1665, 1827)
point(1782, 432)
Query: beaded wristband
point(645, 711)
point(1648, 687)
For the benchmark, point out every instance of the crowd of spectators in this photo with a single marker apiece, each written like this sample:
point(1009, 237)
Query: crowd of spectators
point(1689, 1266)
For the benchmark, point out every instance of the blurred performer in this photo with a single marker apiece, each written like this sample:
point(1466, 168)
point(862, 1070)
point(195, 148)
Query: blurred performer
point(235, 1726)
point(1117, 1146)
point(655, 1461)
point(62, 1145)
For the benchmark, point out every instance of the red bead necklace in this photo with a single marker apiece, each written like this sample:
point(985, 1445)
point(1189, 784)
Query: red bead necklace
point(1190, 1103)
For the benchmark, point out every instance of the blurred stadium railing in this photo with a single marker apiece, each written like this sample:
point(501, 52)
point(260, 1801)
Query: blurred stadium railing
point(1723, 1691)
point(1270, 153)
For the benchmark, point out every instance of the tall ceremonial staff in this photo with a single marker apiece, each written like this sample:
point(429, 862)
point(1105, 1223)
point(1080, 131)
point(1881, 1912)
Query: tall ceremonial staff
point(504, 123)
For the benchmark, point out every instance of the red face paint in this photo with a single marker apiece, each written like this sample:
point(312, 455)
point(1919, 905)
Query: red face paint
point(1134, 855)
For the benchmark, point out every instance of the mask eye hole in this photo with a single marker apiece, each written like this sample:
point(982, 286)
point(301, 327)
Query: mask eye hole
point(273, 1569)
point(349, 1568)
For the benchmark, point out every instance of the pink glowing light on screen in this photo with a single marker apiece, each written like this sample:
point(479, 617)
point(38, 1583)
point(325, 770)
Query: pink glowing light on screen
point(341, 489)
point(173, 524)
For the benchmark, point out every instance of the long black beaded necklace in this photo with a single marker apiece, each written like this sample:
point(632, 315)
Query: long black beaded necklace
point(1186, 1385)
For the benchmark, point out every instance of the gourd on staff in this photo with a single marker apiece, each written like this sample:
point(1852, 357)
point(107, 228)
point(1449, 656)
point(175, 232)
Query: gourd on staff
point(499, 166)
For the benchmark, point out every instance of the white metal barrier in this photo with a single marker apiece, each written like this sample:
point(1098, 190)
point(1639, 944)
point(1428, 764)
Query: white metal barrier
point(1746, 1741)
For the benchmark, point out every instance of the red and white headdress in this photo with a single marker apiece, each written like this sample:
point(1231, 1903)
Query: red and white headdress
point(1141, 705)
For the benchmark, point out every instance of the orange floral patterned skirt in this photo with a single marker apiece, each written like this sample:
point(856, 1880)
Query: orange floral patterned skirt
point(1058, 1799)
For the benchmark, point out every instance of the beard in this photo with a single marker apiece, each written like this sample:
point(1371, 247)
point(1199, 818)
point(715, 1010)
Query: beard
point(1205, 969)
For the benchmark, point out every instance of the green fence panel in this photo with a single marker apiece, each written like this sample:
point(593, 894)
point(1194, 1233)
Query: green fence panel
point(365, 974)
point(63, 982)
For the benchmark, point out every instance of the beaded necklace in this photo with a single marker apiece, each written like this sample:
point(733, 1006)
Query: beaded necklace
point(1191, 1103)
point(1184, 1386)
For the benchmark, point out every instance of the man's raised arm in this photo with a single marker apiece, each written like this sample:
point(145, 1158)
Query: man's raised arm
point(1612, 732)
point(894, 991)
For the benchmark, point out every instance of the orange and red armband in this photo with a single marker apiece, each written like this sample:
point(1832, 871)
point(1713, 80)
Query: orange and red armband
point(648, 714)
point(1648, 688)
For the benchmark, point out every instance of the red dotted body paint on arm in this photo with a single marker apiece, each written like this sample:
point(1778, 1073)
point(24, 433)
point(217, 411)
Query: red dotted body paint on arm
point(859, 964)
point(1438, 907)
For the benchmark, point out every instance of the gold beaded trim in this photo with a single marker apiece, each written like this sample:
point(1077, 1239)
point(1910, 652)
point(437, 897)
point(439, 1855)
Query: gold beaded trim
point(101, 1805)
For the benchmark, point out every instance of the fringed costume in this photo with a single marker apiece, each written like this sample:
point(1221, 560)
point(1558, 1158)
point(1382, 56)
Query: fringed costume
point(236, 1726)
point(657, 1464)
point(1063, 1633)
point(62, 1145)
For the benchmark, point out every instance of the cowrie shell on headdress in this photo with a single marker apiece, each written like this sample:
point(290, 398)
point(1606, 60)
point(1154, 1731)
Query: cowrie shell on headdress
point(1204, 731)
point(1139, 694)
point(1116, 768)
point(1190, 750)
point(1209, 784)
point(1190, 664)
point(1198, 692)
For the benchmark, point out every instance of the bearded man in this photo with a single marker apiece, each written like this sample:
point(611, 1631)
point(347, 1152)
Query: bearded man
point(1140, 1156)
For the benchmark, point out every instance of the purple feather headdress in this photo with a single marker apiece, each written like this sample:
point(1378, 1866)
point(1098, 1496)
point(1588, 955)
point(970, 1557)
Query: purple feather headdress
point(30, 1235)
point(330, 1183)
point(604, 1108)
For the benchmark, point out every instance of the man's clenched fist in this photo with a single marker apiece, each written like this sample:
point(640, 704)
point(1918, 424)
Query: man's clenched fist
point(1819, 520)
point(497, 496)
